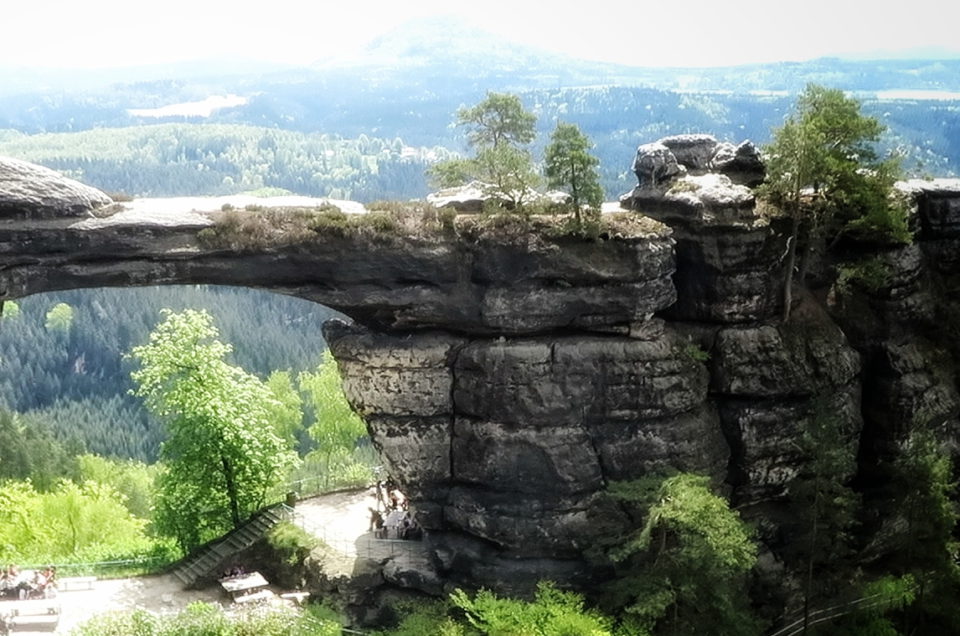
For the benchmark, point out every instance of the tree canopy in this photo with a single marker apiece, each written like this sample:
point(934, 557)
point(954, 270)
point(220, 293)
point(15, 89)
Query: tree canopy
point(222, 453)
point(498, 120)
point(499, 129)
point(569, 165)
point(823, 170)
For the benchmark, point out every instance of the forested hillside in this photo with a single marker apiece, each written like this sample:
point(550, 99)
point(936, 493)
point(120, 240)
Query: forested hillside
point(331, 152)
point(66, 366)
point(193, 159)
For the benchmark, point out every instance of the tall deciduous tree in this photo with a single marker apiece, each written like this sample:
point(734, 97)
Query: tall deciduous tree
point(824, 152)
point(222, 454)
point(570, 165)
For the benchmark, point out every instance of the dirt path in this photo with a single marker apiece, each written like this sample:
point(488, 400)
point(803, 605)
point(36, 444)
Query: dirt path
point(161, 593)
point(339, 519)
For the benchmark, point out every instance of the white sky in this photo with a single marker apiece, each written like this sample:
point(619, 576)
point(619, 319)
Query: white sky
point(106, 33)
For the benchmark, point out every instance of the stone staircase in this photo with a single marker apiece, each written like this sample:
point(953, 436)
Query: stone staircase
point(207, 560)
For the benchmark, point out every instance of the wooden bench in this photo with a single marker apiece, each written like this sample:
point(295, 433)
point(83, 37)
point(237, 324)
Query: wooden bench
point(38, 607)
point(74, 583)
point(262, 595)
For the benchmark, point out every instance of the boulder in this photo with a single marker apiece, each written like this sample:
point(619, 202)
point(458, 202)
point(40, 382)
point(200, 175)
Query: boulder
point(693, 151)
point(34, 192)
point(654, 164)
point(742, 164)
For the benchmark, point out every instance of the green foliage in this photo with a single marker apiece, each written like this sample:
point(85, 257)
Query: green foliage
point(10, 309)
point(823, 504)
point(827, 145)
point(695, 353)
point(31, 452)
point(684, 568)
point(499, 130)
point(222, 456)
point(871, 616)
point(132, 480)
point(216, 159)
point(424, 617)
point(204, 619)
point(925, 519)
point(285, 411)
point(871, 274)
point(291, 542)
point(71, 522)
point(569, 165)
point(498, 120)
point(76, 384)
point(451, 173)
point(59, 318)
point(338, 430)
point(553, 612)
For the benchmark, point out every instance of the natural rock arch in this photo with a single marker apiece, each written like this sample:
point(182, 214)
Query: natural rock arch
point(474, 352)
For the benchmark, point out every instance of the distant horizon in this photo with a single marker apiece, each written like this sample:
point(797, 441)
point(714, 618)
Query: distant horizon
point(114, 35)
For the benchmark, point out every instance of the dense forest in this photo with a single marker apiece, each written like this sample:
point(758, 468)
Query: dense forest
point(62, 355)
point(207, 158)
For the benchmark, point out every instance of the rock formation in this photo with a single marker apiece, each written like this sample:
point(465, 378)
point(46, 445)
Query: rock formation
point(507, 378)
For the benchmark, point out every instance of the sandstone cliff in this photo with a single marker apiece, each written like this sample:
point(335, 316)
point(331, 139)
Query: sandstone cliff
point(506, 379)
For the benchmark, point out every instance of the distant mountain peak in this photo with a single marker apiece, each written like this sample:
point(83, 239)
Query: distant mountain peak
point(439, 39)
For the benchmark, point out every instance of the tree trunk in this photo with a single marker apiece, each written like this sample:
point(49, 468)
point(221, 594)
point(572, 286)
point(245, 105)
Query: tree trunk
point(231, 483)
point(790, 266)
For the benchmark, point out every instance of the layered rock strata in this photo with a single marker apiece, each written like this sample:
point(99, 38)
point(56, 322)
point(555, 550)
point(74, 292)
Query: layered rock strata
point(507, 379)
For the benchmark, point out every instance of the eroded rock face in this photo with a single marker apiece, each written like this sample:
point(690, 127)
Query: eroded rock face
point(31, 191)
point(728, 250)
point(517, 452)
point(507, 381)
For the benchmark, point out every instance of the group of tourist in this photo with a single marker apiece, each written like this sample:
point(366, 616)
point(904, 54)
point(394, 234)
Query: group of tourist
point(28, 583)
point(391, 515)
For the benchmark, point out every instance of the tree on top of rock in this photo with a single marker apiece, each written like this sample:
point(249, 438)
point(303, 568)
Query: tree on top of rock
point(499, 119)
point(499, 130)
point(822, 169)
point(570, 165)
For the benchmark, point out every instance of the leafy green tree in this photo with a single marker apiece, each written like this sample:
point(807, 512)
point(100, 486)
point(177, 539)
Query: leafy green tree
point(222, 454)
point(133, 480)
point(70, 523)
point(570, 165)
point(684, 570)
point(286, 411)
point(32, 452)
point(508, 173)
point(499, 129)
point(822, 166)
point(824, 504)
point(500, 119)
point(337, 429)
point(9, 309)
point(59, 318)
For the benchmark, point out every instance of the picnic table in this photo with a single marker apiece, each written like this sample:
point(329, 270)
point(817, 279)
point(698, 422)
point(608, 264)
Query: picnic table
point(246, 587)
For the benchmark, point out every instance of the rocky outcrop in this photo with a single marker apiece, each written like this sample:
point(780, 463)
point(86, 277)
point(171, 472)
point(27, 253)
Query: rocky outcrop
point(508, 373)
point(34, 192)
point(506, 445)
point(728, 249)
point(472, 197)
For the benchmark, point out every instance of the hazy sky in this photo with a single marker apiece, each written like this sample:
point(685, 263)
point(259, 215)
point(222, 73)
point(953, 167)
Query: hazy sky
point(101, 33)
